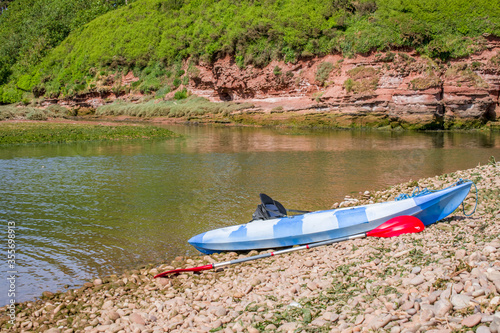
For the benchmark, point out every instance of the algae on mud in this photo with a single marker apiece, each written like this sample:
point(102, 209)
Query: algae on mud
point(36, 132)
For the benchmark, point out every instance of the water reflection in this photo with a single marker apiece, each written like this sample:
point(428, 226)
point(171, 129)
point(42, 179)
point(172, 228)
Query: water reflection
point(92, 209)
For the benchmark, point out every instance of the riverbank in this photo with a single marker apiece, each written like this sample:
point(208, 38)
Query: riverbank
point(31, 132)
point(195, 111)
point(445, 278)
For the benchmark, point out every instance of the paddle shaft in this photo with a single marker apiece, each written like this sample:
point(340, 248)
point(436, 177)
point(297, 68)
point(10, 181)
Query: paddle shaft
point(292, 249)
point(260, 256)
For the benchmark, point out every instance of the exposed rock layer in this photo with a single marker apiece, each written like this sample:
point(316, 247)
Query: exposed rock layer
point(396, 84)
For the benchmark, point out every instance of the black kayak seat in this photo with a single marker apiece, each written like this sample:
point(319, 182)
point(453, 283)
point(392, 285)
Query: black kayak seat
point(268, 209)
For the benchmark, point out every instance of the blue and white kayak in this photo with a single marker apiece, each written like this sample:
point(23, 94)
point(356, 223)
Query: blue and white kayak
point(318, 226)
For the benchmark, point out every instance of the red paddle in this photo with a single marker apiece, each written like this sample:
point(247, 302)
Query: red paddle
point(394, 227)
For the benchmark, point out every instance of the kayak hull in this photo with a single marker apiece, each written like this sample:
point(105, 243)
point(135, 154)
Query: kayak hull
point(329, 224)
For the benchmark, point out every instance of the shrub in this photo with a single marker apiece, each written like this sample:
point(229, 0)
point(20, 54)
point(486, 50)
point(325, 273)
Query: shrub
point(323, 72)
point(36, 114)
point(181, 94)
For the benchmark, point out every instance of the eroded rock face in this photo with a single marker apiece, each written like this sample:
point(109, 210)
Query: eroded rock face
point(395, 85)
point(400, 85)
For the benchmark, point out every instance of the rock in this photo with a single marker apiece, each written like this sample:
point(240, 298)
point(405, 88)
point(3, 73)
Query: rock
point(318, 322)
point(47, 294)
point(359, 319)
point(53, 330)
point(379, 322)
point(472, 321)
point(216, 324)
point(460, 301)
point(288, 327)
point(252, 329)
point(483, 329)
point(489, 250)
point(102, 328)
point(308, 263)
point(493, 276)
point(495, 325)
point(460, 254)
point(97, 282)
point(417, 280)
point(312, 285)
point(255, 282)
point(237, 294)
point(137, 319)
point(270, 327)
point(107, 305)
point(113, 315)
point(407, 305)
point(442, 307)
point(330, 316)
point(416, 270)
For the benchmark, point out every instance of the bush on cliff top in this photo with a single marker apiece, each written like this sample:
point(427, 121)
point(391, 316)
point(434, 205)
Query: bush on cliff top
point(150, 32)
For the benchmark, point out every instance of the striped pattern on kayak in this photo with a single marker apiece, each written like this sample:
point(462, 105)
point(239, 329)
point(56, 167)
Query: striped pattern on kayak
point(328, 224)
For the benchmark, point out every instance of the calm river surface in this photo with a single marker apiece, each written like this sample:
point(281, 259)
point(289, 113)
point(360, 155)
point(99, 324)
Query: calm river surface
point(93, 209)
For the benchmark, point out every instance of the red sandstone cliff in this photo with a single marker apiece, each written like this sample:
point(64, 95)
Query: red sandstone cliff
point(400, 85)
point(397, 84)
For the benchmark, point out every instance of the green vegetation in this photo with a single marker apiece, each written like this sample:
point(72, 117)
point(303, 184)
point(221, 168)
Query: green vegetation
point(11, 112)
point(24, 132)
point(426, 82)
point(464, 75)
point(324, 70)
point(191, 107)
point(361, 79)
point(58, 48)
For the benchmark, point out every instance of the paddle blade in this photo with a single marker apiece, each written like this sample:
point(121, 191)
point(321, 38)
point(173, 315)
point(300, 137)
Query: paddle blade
point(396, 226)
point(180, 270)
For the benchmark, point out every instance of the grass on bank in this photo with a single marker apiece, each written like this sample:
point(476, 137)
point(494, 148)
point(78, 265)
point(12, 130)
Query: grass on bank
point(28, 132)
point(190, 107)
point(13, 112)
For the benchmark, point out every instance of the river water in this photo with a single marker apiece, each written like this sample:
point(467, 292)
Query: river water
point(93, 209)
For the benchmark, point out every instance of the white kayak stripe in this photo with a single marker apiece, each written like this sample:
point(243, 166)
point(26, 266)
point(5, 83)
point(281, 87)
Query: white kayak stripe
point(261, 229)
point(319, 222)
point(377, 211)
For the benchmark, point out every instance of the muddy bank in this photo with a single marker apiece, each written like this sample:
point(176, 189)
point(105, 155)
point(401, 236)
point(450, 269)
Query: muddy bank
point(445, 278)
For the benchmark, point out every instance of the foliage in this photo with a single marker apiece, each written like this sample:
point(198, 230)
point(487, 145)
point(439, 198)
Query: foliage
point(361, 79)
point(324, 70)
point(181, 94)
point(22, 133)
point(427, 82)
point(191, 106)
point(57, 42)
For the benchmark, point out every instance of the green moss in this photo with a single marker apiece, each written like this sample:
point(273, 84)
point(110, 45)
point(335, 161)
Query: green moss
point(23, 133)
point(426, 82)
point(361, 79)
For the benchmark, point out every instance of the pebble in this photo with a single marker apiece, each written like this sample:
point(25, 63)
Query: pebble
point(483, 329)
point(472, 320)
point(137, 319)
point(442, 307)
point(418, 280)
point(460, 301)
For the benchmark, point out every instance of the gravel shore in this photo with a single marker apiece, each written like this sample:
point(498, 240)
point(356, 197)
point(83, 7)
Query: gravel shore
point(445, 279)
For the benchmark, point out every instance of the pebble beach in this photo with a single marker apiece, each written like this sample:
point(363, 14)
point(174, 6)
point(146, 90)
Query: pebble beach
point(444, 279)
